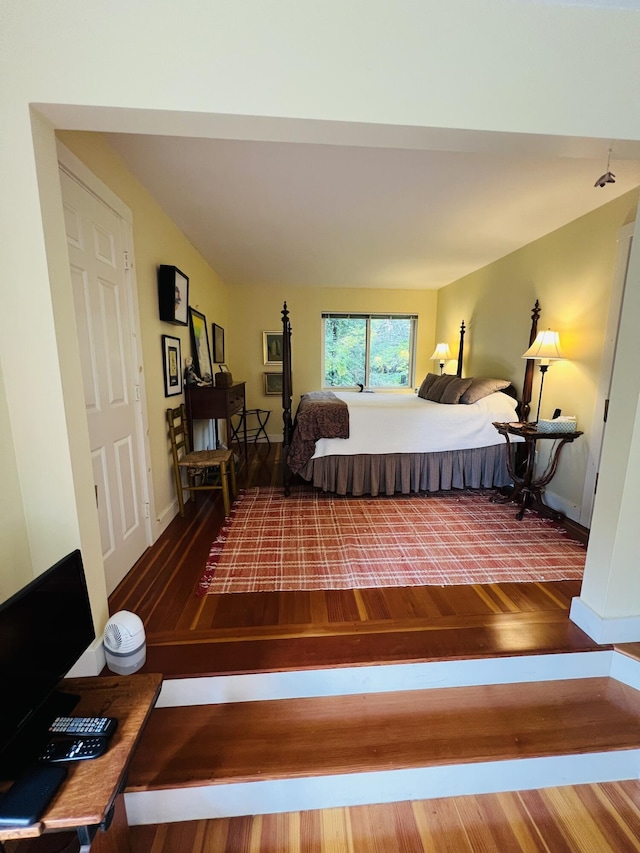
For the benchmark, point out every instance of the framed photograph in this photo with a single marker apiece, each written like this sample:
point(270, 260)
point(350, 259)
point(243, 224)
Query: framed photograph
point(200, 345)
point(172, 360)
point(217, 339)
point(173, 295)
point(272, 383)
point(272, 347)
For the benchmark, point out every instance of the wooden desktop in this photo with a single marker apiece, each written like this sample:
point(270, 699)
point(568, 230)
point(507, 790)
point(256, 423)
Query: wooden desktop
point(91, 797)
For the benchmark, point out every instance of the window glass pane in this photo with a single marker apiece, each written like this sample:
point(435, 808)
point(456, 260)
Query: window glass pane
point(345, 346)
point(389, 352)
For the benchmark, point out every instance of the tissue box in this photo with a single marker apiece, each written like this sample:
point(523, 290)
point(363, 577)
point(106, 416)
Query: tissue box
point(557, 425)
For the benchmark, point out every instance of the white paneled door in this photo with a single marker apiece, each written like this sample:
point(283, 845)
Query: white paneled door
point(104, 317)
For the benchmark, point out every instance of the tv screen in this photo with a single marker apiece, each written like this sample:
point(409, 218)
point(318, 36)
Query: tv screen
point(44, 628)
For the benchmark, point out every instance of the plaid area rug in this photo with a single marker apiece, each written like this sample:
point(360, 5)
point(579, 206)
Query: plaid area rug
point(312, 540)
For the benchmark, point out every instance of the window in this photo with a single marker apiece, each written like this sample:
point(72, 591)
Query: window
point(373, 350)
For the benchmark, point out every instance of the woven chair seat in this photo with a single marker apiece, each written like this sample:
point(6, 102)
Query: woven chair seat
point(205, 458)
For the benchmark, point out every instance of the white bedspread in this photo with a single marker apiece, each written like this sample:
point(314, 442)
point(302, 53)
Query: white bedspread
point(405, 423)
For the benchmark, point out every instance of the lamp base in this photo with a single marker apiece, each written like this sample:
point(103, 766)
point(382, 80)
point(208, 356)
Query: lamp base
point(543, 370)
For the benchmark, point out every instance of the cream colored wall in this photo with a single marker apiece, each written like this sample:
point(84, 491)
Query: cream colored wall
point(256, 310)
point(247, 64)
point(570, 271)
point(14, 543)
point(157, 240)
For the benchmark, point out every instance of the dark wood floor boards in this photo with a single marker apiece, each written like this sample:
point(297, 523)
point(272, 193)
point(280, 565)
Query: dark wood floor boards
point(161, 587)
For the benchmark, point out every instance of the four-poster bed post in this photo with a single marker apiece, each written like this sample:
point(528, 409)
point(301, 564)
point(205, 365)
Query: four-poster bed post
point(287, 395)
point(527, 385)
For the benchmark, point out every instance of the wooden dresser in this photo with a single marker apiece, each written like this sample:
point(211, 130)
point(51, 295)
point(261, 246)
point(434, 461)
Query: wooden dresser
point(211, 403)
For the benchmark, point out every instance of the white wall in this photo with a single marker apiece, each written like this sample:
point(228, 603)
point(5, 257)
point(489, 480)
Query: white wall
point(236, 68)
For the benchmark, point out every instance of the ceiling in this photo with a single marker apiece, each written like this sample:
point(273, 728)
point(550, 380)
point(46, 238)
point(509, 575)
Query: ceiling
point(395, 214)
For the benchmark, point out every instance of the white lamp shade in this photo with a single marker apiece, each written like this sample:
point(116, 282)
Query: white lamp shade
point(441, 353)
point(546, 347)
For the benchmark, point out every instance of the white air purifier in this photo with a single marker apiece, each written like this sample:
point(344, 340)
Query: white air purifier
point(125, 643)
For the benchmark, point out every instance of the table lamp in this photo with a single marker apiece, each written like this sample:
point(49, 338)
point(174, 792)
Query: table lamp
point(546, 348)
point(441, 353)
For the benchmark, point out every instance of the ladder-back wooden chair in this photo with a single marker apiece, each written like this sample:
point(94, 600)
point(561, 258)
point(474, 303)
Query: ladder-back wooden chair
point(200, 465)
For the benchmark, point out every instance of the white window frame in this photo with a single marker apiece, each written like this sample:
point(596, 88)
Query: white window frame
point(362, 315)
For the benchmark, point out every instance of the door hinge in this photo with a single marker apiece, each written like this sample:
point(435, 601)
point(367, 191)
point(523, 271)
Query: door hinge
point(137, 387)
point(127, 263)
point(606, 410)
point(595, 488)
point(146, 510)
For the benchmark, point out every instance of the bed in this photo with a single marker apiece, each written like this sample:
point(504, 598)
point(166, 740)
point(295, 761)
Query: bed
point(348, 442)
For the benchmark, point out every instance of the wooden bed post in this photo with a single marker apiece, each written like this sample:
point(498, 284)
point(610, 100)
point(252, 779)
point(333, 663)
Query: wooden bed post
point(527, 385)
point(287, 396)
point(463, 329)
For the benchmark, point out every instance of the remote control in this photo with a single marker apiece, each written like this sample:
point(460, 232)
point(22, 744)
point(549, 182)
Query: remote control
point(78, 749)
point(29, 796)
point(83, 726)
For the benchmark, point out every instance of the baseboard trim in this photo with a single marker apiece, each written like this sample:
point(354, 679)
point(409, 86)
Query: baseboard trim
point(301, 684)
point(91, 662)
point(204, 802)
point(625, 629)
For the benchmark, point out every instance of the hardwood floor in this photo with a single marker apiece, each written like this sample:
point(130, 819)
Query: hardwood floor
point(341, 627)
point(339, 735)
point(583, 819)
point(161, 588)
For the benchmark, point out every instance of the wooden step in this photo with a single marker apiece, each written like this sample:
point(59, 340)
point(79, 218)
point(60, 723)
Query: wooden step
point(631, 650)
point(285, 755)
point(277, 648)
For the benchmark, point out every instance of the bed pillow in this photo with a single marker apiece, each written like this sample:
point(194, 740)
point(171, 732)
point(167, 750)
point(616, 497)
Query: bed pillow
point(427, 382)
point(480, 388)
point(448, 389)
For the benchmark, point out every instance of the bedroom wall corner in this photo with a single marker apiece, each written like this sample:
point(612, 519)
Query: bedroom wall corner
point(570, 271)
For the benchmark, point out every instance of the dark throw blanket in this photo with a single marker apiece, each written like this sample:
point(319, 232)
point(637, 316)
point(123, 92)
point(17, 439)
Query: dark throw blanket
point(320, 415)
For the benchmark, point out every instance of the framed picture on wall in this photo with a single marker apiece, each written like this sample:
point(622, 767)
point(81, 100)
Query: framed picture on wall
point(200, 345)
point(217, 338)
point(173, 295)
point(272, 347)
point(172, 361)
point(272, 384)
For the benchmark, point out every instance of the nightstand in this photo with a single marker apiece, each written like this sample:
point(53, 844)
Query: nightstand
point(527, 489)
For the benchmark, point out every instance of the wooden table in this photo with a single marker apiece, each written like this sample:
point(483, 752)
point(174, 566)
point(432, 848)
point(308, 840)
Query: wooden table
point(92, 792)
point(527, 489)
point(211, 403)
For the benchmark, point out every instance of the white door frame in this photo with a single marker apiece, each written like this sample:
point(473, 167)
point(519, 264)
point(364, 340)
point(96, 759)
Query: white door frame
point(76, 169)
point(623, 250)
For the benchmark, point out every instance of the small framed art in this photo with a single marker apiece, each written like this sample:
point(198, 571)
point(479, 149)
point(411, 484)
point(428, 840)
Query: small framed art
point(272, 347)
point(172, 361)
point(217, 339)
point(272, 384)
point(173, 295)
point(200, 345)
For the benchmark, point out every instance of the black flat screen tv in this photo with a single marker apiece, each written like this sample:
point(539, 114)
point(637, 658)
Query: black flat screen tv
point(44, 628)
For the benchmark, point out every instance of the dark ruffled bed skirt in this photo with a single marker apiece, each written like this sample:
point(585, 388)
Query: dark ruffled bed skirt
point(404, 473)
